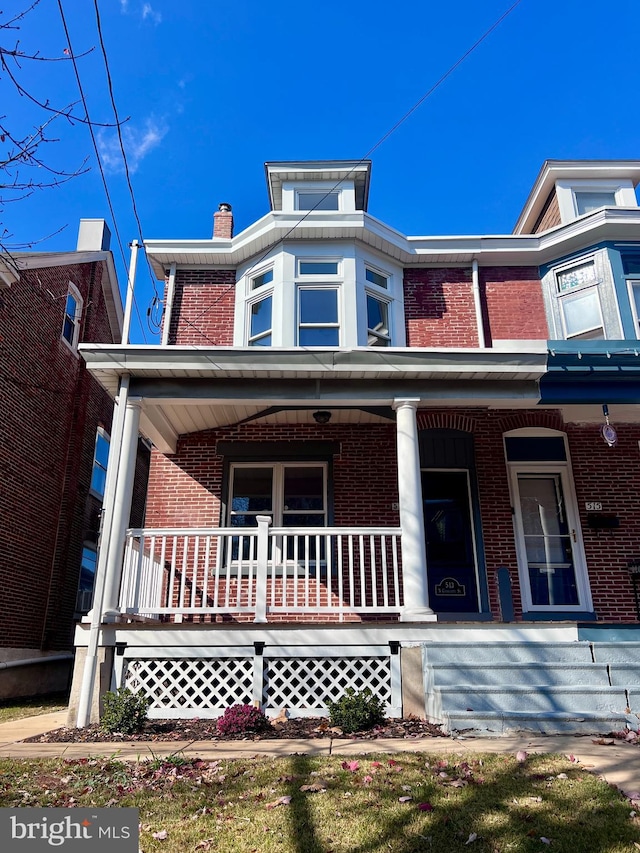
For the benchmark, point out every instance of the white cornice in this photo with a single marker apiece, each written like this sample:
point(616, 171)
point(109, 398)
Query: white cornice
point(522, 249)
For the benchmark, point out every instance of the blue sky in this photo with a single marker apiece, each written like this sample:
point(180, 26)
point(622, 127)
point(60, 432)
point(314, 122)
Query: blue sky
point(213, 90)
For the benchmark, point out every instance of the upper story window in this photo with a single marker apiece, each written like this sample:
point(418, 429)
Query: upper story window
point(100, 459)
point(72, 317)
point(317, 200)
point(579, 301)
point(631, 269)
point(306, 295)
point(579, 197)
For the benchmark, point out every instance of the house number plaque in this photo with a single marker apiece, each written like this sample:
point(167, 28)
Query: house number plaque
point(450, 586)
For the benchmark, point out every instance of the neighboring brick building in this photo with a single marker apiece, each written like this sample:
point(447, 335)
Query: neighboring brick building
point(56, 420)
point(352, 425)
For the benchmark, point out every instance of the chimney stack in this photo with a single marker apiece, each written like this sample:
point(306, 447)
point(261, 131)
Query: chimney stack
point(223, 221)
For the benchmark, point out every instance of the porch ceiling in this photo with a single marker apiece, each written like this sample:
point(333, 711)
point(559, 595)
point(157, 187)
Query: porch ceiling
point(189, 389)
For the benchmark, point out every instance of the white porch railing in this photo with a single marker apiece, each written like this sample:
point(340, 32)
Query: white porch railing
point(262, 571)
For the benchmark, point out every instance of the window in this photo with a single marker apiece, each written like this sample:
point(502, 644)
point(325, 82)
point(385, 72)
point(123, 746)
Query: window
point(318, 324)
point(631, 269)
point(260, 313)
point(264, 278)
point(579, 300)
point(84, 597)
point(377, 322)
point(293, 494)
point(318, 200)
point(318, 267)
point(375, 277)
point(72, 317)
point(100, 459)
point(588, 201)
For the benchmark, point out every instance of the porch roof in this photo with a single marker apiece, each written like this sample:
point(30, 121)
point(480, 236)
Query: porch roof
point(188, 389)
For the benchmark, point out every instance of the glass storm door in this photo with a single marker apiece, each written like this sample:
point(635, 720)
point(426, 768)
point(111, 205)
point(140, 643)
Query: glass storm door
point(547, 534)
point(451, 562)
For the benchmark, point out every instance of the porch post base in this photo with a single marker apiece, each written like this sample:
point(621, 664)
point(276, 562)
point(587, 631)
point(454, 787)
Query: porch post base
point(418, 614)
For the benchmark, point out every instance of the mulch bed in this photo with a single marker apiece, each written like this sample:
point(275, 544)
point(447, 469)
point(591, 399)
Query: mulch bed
point(198, 729)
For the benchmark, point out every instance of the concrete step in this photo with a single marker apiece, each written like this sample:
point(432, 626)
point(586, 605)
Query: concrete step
point(625, 675)
point(532, 700)
point(508, 652)
point(496, 723)
point(519, 674)
point(617, 653)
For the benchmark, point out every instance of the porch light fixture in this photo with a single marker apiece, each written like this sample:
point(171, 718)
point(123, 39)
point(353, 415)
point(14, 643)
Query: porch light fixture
point(608, 433)
point(322, 417)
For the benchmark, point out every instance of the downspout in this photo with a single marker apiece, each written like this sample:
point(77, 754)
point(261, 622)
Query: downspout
point(477, 304)
point(128, 305)
point(168, 304)
point(91, 659)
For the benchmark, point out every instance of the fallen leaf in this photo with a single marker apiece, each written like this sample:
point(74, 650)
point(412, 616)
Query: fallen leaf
point(521, 755)
point(425, 807)
point(367, 779)
point(572, 758)
point(404, 799)
point(315, 788)
point(545, 840)
point(160, 836)
point(458, 783)
point(352, 766)
point(562, 776)
point(471, 838)
point(281, 801)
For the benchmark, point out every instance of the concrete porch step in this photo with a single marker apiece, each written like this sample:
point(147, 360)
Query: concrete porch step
point(574, 699)
point(615, 653)
point(509, 652)
point(515, 674)
point(495, 723)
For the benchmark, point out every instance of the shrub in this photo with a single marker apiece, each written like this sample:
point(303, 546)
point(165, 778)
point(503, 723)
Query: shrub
point(239, 719)
point(124, 712)
point(355, 712)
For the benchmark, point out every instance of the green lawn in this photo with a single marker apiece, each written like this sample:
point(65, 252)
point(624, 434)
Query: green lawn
point(16, 709)
point(302, 804)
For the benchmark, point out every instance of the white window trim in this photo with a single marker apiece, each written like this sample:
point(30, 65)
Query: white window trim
point(260, 295)
point(569, 295)
point(345, 190)
point(277, 495)
point(564, 468)
point(379, 297)
point(256, 273)
point(72, 290)
point(329, 276)
point(566, 190)
point(319, 285)
point(631, 284)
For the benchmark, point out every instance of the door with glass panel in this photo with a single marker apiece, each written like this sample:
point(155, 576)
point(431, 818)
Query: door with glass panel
point(551, 568)
point(292, 494)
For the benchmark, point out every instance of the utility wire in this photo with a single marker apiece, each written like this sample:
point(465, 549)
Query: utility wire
point(373, 148)
point(156, 298)
point(98, 158)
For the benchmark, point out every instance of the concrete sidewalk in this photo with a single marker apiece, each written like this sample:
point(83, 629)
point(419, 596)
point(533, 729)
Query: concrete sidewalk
point(618, 764)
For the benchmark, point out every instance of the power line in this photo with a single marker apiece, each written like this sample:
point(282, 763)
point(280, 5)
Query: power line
point(105, 59)
point(97, 153)
point(377, 145)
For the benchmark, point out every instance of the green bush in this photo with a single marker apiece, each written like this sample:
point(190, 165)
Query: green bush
point(355, 712)
point(124, 712)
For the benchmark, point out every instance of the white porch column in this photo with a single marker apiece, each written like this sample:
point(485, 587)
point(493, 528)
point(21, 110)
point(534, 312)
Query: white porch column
point(122, 504)
point(414, 552)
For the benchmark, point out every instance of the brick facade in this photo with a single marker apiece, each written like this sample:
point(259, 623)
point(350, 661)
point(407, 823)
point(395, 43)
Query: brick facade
point(203, 308)
point(51, 410)
point(185, 490)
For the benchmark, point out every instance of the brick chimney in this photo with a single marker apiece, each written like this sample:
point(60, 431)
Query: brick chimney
point(223, 221)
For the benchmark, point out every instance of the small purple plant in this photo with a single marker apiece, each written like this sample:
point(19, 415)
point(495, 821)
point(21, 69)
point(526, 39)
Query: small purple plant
point(239, 719)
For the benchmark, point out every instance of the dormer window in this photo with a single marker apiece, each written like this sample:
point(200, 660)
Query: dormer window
point(580, 197)
point(318, 200)
point(588, 201)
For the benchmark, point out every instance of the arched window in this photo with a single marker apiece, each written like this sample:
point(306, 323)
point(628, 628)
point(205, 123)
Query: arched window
point(72, 317)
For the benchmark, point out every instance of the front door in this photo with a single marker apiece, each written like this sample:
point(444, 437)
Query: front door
point(550, 570)
point(451, 557)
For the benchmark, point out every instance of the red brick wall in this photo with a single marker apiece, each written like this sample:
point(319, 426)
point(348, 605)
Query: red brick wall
point(439, 309)
point(203, 308)
point(513, 304)
point(51, 409)
point(185, 490)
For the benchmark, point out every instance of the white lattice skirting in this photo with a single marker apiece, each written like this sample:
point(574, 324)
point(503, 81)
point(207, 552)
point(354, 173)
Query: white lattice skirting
point(291, 679)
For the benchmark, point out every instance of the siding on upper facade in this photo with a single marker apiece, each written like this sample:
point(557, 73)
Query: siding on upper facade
point(550, 214)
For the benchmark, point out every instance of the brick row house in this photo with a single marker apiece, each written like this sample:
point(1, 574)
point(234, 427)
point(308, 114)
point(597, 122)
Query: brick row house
point(54, 445)
point(382, 461)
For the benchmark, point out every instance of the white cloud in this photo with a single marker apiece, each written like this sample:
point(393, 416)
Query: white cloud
point(124, 6)
point(138, 142)
point(151, 14)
